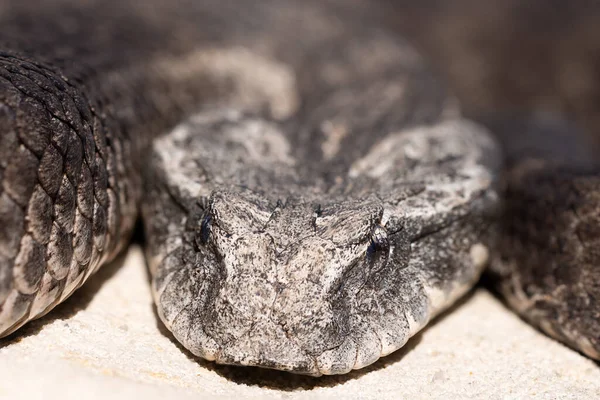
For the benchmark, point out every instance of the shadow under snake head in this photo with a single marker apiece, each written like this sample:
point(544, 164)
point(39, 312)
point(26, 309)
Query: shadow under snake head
point(267, 270)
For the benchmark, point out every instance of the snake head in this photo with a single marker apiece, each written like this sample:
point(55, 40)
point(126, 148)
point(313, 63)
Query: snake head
point(277, 270)
point(274, 283)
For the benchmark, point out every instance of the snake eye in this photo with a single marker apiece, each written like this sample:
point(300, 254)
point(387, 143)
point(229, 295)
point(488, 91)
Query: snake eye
point(205, 228)
point(379, 241)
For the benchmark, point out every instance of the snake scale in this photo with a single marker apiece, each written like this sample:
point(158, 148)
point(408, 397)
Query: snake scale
point(310, 194)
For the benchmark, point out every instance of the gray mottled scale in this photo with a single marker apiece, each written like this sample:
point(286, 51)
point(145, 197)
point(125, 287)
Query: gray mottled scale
point(12, 226)
point(29, 266)
point(40, 213)
point(20, 175)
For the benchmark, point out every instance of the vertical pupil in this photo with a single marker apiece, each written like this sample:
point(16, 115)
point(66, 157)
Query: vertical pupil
point(205, 228)
point(379, 241)
point(373, 247)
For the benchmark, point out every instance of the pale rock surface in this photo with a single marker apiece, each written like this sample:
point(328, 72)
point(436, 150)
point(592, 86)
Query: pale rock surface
point(107, 342)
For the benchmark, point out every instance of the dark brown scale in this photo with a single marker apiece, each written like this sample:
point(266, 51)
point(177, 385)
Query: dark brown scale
point(12, 227)
point(40, 213)
point(29, 265)
point(100, 182)
point(21, 175)
point(8, 140)
point(99, 227)
point(60, 251)
point(50, 171)
point(85, 192)
point(74, 154)
point(83, 239)
point(65, 205)
point(37, 139)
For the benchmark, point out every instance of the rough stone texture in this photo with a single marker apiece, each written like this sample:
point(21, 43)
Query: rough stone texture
point(108, 339)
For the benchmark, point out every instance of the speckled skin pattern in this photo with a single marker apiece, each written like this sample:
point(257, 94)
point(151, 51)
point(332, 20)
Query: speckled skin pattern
point(320, 200)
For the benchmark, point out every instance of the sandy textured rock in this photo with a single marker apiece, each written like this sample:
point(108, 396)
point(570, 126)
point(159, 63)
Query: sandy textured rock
point(107, 340)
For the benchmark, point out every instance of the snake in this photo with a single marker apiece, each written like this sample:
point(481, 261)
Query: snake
point(310, 193)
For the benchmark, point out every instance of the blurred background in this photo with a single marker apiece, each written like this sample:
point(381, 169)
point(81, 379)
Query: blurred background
point(512, 55)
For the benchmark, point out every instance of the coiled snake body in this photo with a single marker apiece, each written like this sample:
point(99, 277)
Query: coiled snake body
point(310, 194)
